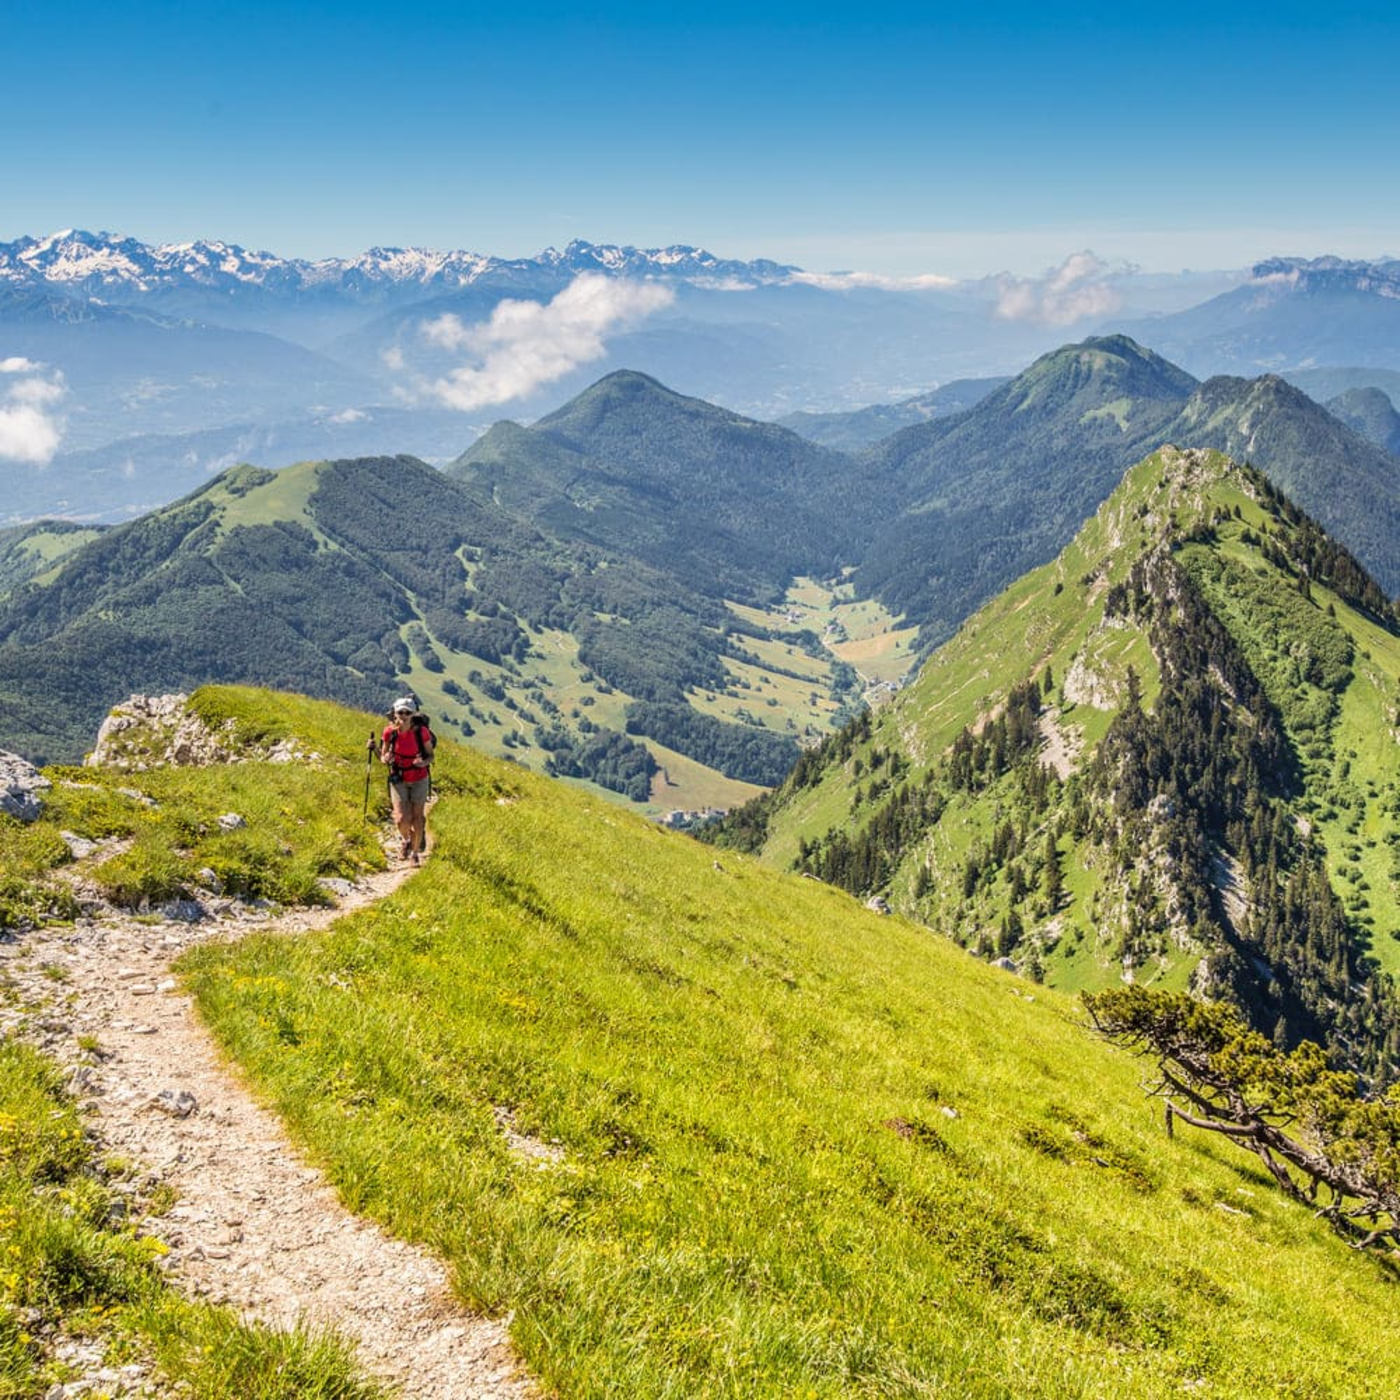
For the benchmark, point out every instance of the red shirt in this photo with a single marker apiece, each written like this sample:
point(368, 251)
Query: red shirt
point(404, 750)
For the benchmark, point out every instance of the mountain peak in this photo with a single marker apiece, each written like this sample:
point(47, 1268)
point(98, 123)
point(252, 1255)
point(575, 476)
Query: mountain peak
point(1115, 355)
point(623, 391)
point(1197, 601)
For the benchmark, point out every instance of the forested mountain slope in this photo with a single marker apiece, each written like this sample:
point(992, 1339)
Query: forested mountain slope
point(985, 495)
point(730, 504)
point(1169, 756)
point(359, 579)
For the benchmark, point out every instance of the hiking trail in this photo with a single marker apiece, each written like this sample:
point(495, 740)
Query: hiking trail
point(255, 1225)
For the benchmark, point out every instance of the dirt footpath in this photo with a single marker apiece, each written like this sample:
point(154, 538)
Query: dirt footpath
point(254, 1225)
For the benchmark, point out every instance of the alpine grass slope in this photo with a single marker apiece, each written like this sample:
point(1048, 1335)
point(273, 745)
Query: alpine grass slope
point(706, 1129)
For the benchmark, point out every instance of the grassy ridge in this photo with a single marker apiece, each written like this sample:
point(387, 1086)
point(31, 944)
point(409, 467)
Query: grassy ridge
point(802, 1150)
point(1328, 668)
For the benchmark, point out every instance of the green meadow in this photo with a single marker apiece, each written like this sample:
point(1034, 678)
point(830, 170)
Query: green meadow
point(762, 1142)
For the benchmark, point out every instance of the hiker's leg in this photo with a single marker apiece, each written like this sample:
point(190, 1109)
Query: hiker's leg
point(420, 816)
point(403, 816)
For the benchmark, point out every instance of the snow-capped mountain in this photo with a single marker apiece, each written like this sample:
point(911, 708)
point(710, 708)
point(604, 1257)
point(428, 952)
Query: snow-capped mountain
point(125, 270)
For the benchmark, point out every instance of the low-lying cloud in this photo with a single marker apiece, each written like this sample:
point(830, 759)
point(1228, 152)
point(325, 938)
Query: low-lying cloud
point(1080, 287)
point(853, 281)
point(526, 344)
point(29, 428)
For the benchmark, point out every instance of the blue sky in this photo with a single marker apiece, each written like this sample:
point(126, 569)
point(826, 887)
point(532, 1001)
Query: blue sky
point(953, 139)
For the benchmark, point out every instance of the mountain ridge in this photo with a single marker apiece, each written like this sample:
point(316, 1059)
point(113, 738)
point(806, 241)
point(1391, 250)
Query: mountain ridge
point(987, 493)
point(1104, 774)
point(79, 261)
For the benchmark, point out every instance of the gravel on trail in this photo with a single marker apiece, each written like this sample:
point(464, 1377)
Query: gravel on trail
point(254, 1225)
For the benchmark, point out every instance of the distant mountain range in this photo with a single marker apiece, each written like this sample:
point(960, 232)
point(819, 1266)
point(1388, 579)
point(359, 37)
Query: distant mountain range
point(147, 341)
point(1293, 314)
point(130, 369)
point(125, 271)
point(143, 345)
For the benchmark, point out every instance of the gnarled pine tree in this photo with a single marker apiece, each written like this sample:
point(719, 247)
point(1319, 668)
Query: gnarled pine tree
point(1327, 1145)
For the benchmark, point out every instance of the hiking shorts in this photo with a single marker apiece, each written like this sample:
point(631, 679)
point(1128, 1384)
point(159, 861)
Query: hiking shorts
point(412, 794)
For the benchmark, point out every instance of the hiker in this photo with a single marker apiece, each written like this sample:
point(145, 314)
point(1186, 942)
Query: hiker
point(407, 747)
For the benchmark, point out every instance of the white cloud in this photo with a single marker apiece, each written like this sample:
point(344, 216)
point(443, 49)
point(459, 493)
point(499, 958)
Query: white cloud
point(29, 431)
point(37, 392)
point(722, 284)
point(1080, 287)
point(348, 415)
point(850, 281)
point(526, 344)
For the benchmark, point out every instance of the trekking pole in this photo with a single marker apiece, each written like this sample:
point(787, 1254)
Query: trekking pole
point(369, 763)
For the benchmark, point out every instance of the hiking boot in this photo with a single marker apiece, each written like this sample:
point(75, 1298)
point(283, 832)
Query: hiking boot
point(406, 850)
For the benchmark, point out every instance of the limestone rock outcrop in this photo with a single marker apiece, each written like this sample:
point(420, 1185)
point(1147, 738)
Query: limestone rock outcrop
point(20, 786)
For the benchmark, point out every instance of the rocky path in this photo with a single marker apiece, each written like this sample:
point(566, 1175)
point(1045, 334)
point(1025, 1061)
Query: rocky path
point(254, 1224)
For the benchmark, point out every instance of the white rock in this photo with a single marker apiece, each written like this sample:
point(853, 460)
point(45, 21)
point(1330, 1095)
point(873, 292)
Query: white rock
point(20, 785)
